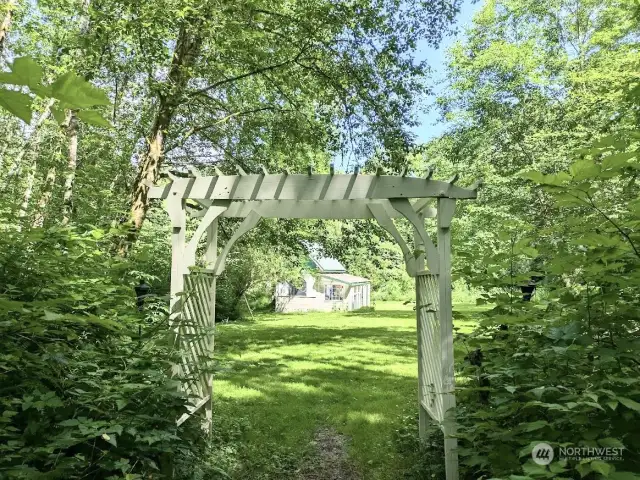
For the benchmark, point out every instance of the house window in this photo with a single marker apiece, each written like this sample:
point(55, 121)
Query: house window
point(334, 292)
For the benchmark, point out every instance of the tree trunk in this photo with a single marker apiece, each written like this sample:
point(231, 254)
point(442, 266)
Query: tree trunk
point(32, 140)
point(184, 56)
point(72, 162)
point(28, 189)
point(6, 23)
point(45, 198)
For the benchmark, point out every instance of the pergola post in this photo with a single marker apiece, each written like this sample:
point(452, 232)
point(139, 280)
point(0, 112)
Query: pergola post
point(177, 215)
point(446, 209)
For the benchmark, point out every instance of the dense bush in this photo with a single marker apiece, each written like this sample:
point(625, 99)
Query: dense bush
point(563, 369)
point(249, 279)
point(85, 378)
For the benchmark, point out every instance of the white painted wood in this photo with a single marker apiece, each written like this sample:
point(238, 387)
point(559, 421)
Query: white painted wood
point(422, 206)
point(308, 187)
point(210, 257)
point(177, 214)
point(431, 253)
point(446, 207)
point(423, 420)
point(323, 209)
point(384, 219)
point(192, 409)
point(211, 251)
point(211, 215)
point(429, 355)
point(446, 210)
point(247, 224)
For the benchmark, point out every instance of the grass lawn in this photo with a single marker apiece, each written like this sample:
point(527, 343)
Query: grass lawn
point(282, 377)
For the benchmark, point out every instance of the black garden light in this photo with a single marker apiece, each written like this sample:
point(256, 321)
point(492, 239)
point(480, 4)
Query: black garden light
point(142, 291)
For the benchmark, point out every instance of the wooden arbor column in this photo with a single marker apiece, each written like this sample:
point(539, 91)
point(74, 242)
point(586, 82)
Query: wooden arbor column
point(446, 209)
point(193, 297)
point(434, 322)
point(430, 265)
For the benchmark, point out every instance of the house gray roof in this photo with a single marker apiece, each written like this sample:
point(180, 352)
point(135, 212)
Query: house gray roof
point(326, 264)
point(346, 278)
point(322, 263)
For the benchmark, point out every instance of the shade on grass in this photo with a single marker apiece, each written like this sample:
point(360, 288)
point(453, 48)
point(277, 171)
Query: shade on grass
point(289, 375)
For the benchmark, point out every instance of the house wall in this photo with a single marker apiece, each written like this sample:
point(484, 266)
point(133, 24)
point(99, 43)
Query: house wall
point(300, 303)
point(357, 296)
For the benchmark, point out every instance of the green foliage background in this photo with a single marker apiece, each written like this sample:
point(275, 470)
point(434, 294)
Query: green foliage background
point(542, 100)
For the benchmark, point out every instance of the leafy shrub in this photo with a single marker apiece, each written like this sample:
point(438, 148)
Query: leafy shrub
point(423, 459)
point(85, 379)
point(562, 370)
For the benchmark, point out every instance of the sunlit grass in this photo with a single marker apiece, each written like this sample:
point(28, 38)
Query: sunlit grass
point(291, 374)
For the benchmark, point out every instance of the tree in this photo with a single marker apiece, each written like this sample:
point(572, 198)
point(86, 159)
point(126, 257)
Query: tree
point(264, 81)
point(530, 84)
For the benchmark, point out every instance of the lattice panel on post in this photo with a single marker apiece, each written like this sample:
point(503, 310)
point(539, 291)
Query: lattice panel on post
point(430, 366)
point(195, 336)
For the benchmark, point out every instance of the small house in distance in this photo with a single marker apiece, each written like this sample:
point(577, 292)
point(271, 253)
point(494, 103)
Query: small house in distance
point(335, 290)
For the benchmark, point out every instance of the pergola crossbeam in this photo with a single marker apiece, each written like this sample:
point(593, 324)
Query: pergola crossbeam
point(307, 187)
point(317, 209)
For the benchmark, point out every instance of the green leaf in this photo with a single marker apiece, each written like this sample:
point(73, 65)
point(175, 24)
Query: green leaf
point(612, 404)
point(532, 426)
point(533, 175)
point(607, 141)
point(93, 118)
point(51, 316)
point(121, 403)
point(510, 389)
point(16, 103)
point(584, 169)
point(71, 422)
point(617, 160)
point(611, 442)
point(627, 402)
point(601, 467)
point(624, 476)
point(27, 70)
point(558, 467)
point(557, 179)
point(537, 392)
point(58, 114)
point(583, 469)
point(110, 438)
point(77, 92)
point(534, 469)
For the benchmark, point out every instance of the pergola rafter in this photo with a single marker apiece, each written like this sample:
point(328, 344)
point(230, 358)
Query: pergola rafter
point(252, 197)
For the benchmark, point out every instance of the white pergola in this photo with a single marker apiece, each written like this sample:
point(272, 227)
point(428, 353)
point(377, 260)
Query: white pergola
point(324, 196)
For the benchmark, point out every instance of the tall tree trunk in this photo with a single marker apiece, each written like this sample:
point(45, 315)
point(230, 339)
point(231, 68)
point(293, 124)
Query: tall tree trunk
point(184, 55)
point(72, 162)
point(9, 7)
point(31, 142)
point(49, 183)
point(28, 189)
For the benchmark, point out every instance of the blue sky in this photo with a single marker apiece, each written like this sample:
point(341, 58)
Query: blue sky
point(431, 126)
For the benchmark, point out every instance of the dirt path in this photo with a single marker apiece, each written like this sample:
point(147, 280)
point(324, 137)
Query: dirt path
point(329, 460)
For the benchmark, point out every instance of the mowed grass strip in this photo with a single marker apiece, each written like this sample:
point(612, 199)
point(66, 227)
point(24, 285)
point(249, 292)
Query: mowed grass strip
point(286, 376)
